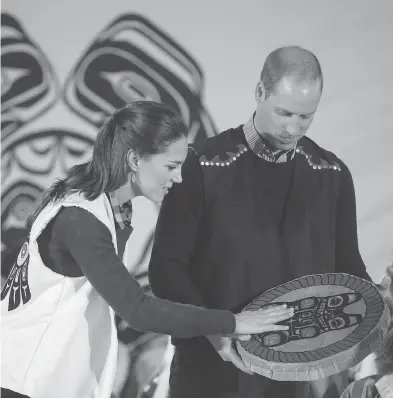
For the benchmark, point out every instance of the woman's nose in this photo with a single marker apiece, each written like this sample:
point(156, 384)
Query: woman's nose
point(177, 178)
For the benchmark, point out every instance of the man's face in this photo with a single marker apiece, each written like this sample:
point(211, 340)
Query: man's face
point(285, 116)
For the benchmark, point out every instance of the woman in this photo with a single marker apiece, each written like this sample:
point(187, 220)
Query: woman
point(58, 333)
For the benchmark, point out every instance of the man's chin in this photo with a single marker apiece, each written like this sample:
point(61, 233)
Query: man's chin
point(285, 146)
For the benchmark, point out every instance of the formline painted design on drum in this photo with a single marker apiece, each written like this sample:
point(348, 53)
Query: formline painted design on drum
point(326, 360)
point(313, 316)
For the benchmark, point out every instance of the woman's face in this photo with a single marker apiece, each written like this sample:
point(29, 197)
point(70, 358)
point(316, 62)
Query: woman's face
point(157, 173)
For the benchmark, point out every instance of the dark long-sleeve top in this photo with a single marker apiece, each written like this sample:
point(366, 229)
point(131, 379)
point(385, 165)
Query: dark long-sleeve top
point(217, 231)
point(76, 243)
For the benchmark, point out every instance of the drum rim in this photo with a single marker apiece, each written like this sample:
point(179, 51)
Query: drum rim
point(331, 363)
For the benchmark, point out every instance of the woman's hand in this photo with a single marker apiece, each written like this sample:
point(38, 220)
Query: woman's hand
point(263, 320)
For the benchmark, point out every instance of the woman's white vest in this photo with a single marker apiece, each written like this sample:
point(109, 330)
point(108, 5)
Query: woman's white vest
point(59, 338)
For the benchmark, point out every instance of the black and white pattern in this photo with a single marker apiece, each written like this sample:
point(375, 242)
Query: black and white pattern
point(17, 284)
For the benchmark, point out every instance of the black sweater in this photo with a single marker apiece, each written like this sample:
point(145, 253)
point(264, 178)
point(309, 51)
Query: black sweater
point(239, 225)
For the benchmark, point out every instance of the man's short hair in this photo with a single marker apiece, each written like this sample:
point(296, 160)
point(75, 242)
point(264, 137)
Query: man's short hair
point(293, 61)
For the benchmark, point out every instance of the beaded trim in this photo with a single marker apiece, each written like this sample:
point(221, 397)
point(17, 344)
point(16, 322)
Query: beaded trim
point(319, 166)
point(217, 162)
point(232, 157)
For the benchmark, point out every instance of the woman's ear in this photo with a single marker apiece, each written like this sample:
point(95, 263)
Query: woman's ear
point(133, 160)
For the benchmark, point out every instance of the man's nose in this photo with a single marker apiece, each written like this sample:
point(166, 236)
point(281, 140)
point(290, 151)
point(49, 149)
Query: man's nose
point(293, 128)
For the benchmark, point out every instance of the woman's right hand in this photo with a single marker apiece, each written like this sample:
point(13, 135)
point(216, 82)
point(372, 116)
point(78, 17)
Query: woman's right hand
point(263, 320)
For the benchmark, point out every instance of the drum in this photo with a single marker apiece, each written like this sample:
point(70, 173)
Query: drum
point(339, 319)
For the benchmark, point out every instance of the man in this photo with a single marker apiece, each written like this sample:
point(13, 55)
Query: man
point(259, 205)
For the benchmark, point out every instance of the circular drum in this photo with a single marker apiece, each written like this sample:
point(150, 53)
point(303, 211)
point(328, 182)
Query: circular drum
point(339, 319)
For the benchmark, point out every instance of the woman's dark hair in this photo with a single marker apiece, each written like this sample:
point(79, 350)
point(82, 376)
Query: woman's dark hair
point(145, 127)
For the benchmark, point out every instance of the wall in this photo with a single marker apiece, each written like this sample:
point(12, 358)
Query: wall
point(230, 40)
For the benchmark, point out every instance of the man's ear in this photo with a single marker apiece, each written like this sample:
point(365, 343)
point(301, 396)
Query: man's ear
point(260, 92)
point(133, 160)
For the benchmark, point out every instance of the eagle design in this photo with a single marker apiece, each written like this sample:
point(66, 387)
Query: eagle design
point(17, 284)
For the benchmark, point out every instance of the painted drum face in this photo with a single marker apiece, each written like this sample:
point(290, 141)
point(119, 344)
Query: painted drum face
point(314, 316)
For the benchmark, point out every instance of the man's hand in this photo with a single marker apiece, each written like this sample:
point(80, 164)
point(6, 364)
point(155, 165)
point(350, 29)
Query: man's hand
point(226, 348)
